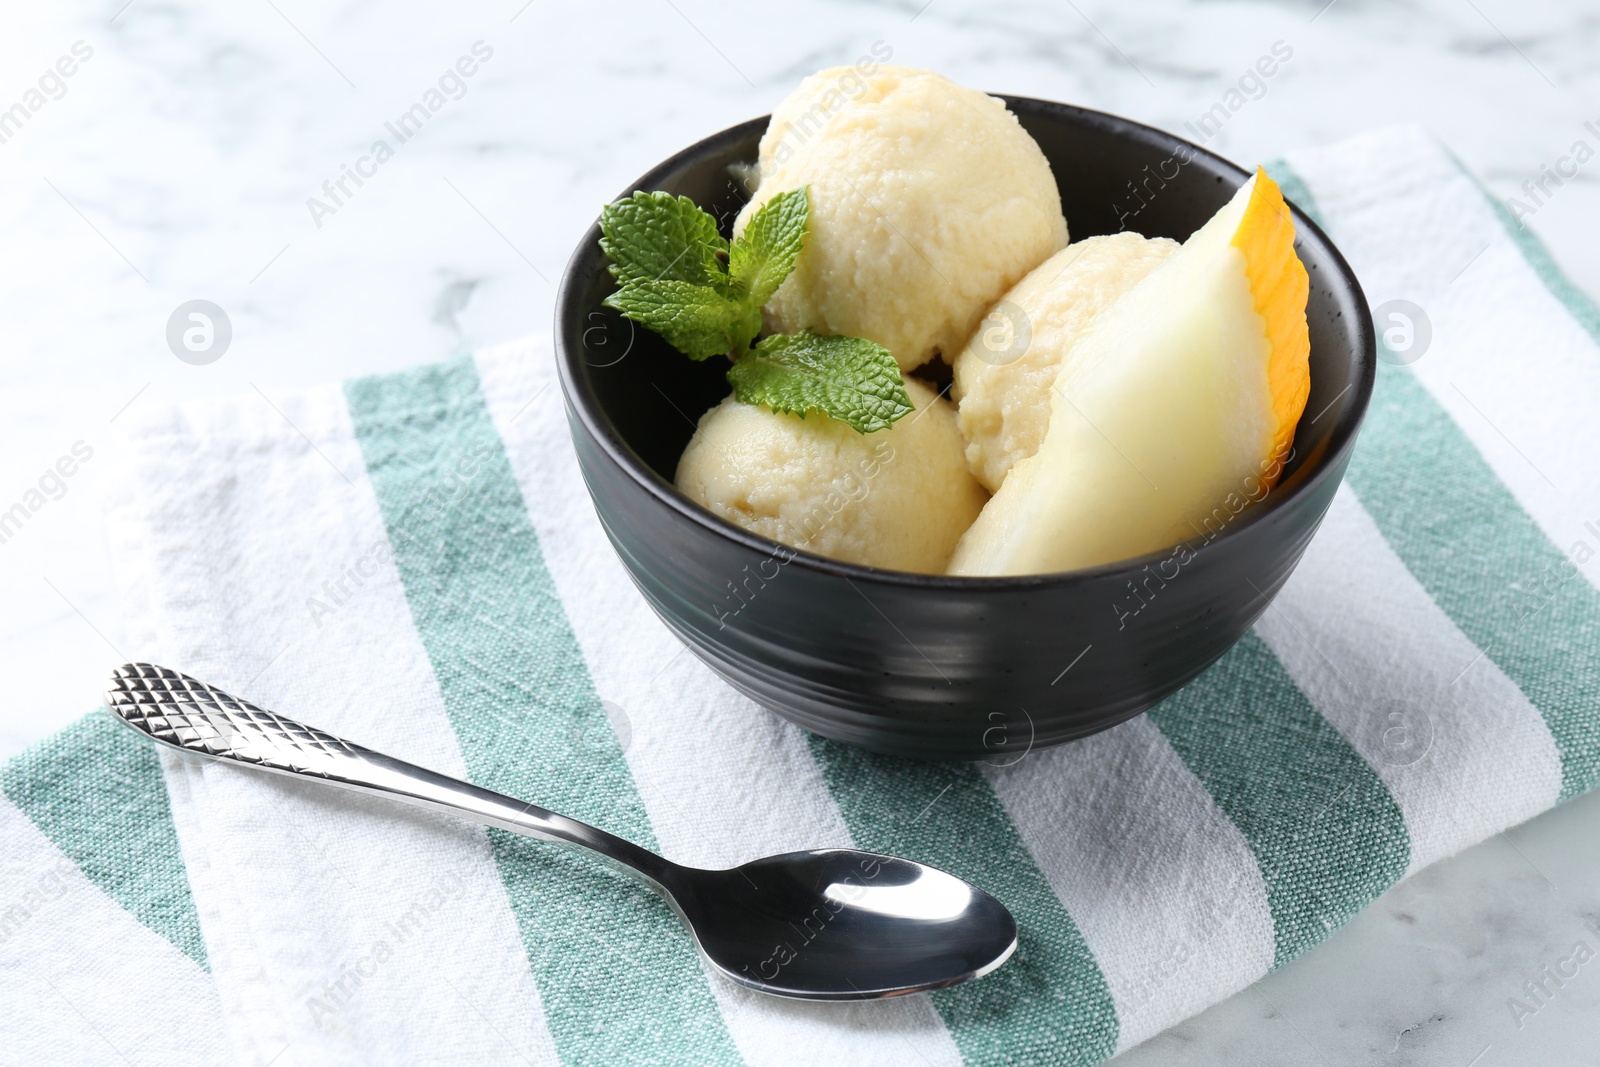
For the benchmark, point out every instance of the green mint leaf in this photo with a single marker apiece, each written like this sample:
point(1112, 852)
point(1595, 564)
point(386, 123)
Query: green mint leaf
point(698, 320)
point(764, 254)
point(652, 237)
point(847, 378)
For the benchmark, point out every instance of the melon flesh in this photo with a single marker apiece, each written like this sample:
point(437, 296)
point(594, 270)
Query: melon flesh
point(1163, 423)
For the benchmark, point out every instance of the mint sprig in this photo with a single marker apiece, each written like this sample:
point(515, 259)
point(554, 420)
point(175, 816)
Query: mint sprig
point(764, 254)
point(697, 320)
point(848, 378)
point(679, 277)
point(660, 237)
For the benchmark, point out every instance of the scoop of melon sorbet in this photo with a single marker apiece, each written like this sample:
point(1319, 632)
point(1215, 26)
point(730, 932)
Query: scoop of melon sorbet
point(928, 201)
point(900, 498)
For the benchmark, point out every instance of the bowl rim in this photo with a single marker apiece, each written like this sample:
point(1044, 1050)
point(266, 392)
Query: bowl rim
point(582, 405)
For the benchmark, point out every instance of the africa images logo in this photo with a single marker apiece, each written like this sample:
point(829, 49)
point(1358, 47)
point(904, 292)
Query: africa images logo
point(51, 85)
point(52, 485)
point(337, 191)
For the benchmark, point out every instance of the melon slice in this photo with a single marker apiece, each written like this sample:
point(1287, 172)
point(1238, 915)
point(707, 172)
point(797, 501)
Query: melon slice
point(1175, 410)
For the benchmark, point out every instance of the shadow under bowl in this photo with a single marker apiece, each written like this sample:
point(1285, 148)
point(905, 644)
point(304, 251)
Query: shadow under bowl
point(928, 666)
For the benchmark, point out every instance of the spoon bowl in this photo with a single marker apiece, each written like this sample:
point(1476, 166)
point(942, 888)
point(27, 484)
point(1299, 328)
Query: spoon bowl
point(827, 924)
point(841, 924)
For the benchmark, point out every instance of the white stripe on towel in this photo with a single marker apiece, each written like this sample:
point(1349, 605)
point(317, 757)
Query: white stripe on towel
point(307, 883)
point(1162, 885)
point(1517, 373)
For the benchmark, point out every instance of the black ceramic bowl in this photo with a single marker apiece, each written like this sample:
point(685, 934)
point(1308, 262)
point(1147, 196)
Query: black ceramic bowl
point(929, 666)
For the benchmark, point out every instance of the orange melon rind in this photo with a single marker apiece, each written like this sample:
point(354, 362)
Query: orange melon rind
point(1279, 286)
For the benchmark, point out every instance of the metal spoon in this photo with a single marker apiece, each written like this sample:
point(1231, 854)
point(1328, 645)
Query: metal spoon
point(828, 924)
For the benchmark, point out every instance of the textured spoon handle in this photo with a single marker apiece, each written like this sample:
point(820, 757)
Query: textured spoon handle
point(186, 713)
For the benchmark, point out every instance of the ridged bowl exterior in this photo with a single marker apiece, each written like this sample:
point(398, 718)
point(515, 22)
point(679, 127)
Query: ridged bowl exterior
point(927, 666)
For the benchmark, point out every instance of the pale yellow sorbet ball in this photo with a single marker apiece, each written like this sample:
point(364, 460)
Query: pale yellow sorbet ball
point(928, 200)
point(900, 498)
point(1004, 375)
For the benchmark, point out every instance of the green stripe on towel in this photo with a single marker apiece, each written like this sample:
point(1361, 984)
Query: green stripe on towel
point(617, 973)
point(1049, 1003)
point(1328, 836)
point(95, 789)
point(1485, 562)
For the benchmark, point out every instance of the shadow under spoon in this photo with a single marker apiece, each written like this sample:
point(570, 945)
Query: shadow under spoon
point(823, 924)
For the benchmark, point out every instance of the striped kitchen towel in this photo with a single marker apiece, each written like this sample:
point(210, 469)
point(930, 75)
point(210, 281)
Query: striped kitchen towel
point(411, 561)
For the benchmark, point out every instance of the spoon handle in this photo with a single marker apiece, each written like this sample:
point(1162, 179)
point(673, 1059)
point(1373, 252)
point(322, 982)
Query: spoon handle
point(187, 714)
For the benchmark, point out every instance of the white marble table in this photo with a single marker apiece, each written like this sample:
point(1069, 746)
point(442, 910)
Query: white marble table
point(176, 162)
